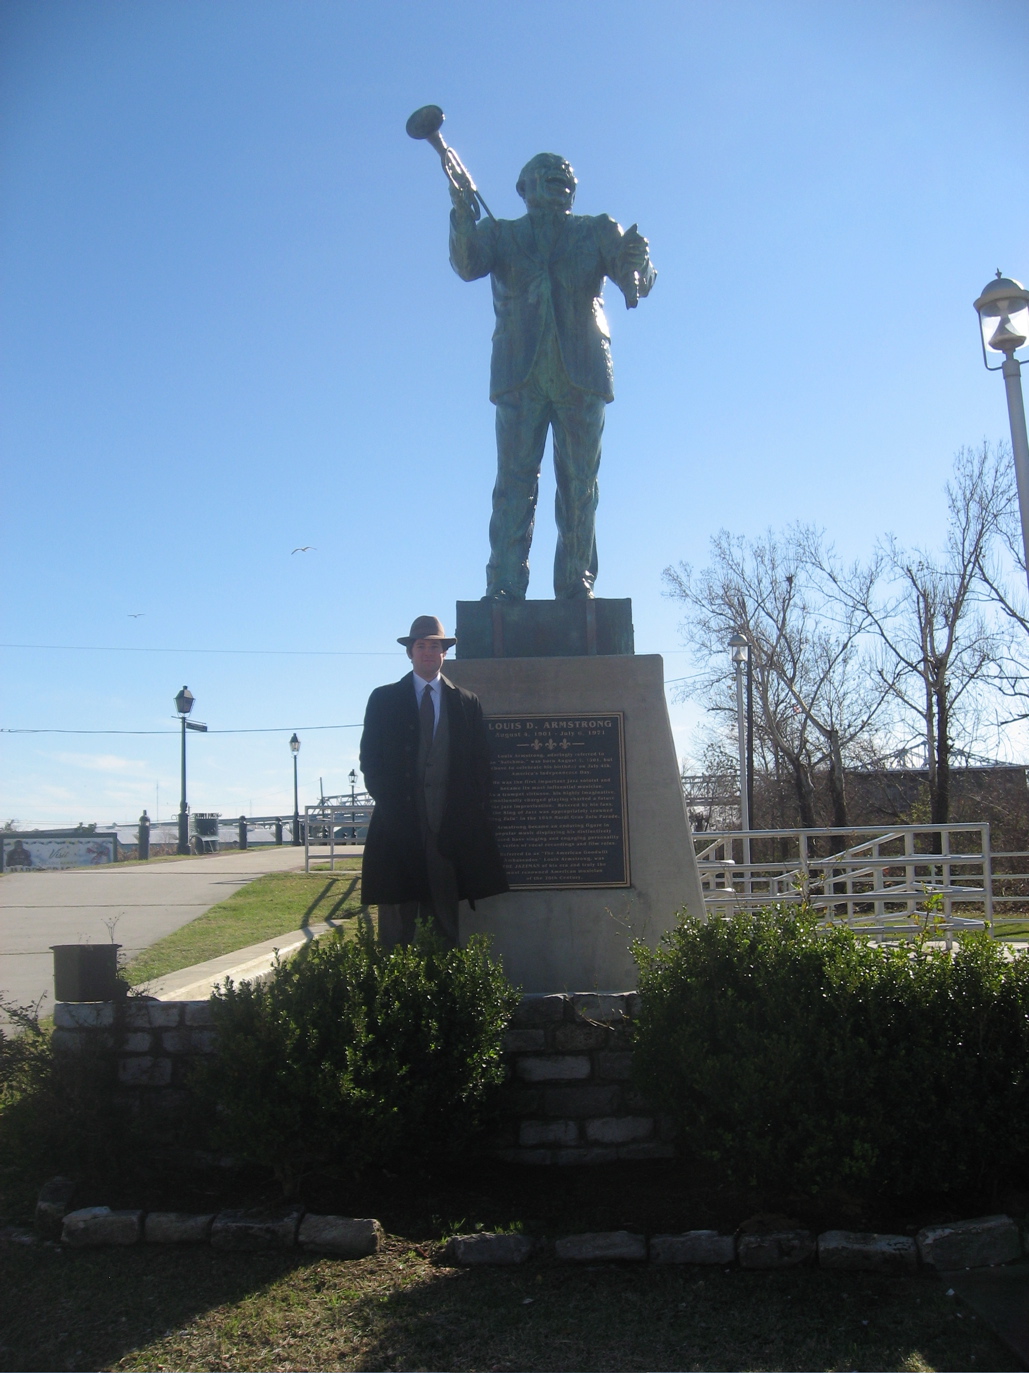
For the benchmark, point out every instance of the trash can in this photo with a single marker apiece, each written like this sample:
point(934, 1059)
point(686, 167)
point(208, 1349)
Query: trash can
point(205, 827)
point(85, 972)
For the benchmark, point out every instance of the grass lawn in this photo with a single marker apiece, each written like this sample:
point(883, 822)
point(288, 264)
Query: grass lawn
point(1011, 929)
point(267, 907)
point(150, 1308)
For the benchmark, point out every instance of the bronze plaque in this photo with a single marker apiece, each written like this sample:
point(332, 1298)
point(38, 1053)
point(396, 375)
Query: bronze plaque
point(558, 797)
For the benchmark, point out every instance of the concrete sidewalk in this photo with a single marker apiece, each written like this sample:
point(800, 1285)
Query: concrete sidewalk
point(133, 905)
point(251, 964)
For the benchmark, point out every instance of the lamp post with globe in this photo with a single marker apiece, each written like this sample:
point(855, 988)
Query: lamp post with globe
point(1003, 310)
point(294, 745)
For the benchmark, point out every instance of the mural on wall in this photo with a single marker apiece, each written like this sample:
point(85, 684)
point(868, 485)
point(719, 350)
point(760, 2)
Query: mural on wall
point(19, 852)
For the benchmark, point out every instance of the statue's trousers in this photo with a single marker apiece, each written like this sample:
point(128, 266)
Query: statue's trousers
point(548, 400)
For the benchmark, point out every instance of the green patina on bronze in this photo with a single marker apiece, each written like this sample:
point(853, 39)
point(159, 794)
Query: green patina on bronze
point(551, 367)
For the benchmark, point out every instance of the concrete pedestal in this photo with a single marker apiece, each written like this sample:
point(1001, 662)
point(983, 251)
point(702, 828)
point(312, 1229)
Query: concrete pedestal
point(578, 940)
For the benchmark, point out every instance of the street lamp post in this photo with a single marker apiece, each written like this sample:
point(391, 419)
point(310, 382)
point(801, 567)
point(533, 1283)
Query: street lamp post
point(294, 745)
point(183, 704)
point(1003, 310)
point(353, 805)
point(740, 650)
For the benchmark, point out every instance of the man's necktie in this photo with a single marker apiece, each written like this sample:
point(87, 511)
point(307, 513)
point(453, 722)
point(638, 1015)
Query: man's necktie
point(427, 717)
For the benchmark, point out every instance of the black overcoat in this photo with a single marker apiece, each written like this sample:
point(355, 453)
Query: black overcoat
point(394, 868)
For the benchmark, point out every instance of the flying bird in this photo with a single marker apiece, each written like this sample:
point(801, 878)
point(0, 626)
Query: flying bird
point(307, 548)
point(138, 616)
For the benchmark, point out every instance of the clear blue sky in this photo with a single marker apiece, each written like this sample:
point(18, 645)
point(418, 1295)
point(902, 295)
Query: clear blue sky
point(229, 327)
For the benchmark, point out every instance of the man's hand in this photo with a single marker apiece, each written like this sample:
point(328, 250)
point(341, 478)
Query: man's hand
point(466, 206)
point(633, 252)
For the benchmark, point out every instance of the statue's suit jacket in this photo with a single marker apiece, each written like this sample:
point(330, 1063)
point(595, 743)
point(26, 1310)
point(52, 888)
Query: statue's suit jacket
point(526, 285)
point(394, 868)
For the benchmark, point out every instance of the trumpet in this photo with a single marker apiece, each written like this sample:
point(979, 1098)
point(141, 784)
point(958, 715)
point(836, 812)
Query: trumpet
point(425, 124)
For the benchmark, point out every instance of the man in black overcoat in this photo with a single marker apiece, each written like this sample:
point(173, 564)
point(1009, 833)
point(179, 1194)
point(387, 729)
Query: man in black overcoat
point(425, 759)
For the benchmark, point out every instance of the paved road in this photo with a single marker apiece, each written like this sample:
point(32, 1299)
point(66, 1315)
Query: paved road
point(134, 905)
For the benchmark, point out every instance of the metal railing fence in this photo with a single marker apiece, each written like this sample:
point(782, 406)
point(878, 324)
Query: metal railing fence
point(896, 881)
point(334, 821)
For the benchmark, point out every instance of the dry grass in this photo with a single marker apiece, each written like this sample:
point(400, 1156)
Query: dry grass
point(158, 1309)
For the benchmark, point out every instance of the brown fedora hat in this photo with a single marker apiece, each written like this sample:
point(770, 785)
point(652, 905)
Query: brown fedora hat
point(428, 627)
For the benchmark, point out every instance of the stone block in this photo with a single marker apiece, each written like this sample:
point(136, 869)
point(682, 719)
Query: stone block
point(615, 1067)
point(97, 1225)
point(609, 1007)
point(634, 1100)
point(693, 1246)
point(534, 1133)
point(977, 1243)
point(183, 1066)
point(538, 1009)
point(204, 1041)
point(140, 1014)
point(471, 1250)
point(136, 1042)
point(619, 1129)
point(85, 1015)
point(261, 1228)
point(69, 1041)
point(601, 1246)
point(177, 1227)
point(571, 1037)
point(198, 1013)
point(866, 1253)
point(520, 1101)
point(144, 1071)
point(585, 1156)
point(779, 1249)
point(645, 1153)
point(524, 1041)
point(52, 1205)
point(179, 1041)
point(544, 629)
point(667, 1128)
point(553, 1068)
point(579, 1102)
point(533, 1157)
point(344, 1236)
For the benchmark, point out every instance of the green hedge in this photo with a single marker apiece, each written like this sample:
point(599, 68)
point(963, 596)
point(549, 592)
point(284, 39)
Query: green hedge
point(348, 1055)
point(802, 1057)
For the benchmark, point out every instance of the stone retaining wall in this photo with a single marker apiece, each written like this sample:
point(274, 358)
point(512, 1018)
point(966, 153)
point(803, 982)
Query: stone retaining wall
point(569, 1097)
point(151, 1045)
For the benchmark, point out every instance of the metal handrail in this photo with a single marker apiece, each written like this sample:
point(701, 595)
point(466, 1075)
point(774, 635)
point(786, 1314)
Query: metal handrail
point(860, 883)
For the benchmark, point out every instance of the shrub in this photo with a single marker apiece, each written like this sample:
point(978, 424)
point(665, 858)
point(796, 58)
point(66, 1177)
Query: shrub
point(799, 1056)
point(59, 1113)
point(350, 1055)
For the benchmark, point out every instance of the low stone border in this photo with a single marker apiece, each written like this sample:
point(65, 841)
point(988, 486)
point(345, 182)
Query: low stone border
point(981, 1243)
point(283, 1227)
point(984, 1242)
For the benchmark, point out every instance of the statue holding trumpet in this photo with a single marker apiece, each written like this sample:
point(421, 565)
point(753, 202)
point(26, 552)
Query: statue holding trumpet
point(551, 366)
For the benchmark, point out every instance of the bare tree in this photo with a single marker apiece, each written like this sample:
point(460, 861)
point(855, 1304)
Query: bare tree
point(813, 701)
point(1002, 572)
point(938, 645)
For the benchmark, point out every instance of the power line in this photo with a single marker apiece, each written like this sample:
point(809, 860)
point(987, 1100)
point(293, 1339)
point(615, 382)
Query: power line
point(248, 652)
point(273, 729)
point(253, 652)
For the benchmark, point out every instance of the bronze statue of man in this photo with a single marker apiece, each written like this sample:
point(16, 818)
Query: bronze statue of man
point(551, 365)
